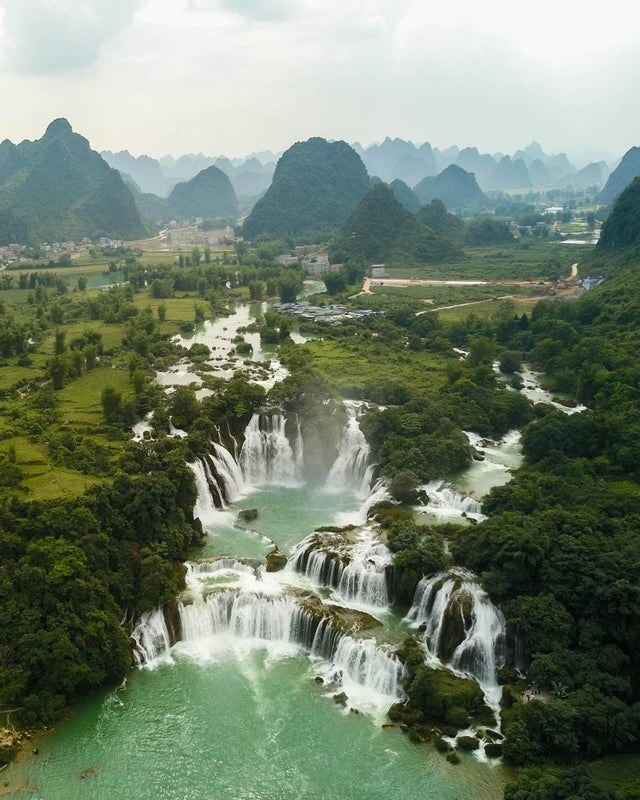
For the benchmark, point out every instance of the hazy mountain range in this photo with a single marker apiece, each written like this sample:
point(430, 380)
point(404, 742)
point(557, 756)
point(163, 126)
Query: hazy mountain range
point(529, 168)
point(57, 188)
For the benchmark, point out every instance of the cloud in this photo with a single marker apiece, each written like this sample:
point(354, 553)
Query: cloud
point(252, 10)
point(49, 36)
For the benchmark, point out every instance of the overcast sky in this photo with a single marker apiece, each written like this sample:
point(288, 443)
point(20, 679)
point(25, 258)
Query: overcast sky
point(230, 77)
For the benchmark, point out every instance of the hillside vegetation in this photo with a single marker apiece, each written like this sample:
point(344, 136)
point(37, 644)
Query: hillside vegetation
point(58, 189)
point(381, 230)
point(316, 185)
point(208, 195)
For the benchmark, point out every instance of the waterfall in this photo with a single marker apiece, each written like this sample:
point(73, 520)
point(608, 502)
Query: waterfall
point(247, 616)
point(462, 627)
point(444, 501)
point(267, 456)
point(356, 571)
point(205, 507)
point(219, 570)
point(234, 621)
point(230, 473)
point(321, 565)
point(350, 470)
point(359, 517)
point(219, 481)
point(365, 662)
point(537, 394)
point(152, 639)
point(203, 569)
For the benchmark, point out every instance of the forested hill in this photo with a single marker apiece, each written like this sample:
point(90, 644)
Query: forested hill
point(621, 229)
point(380, 229)
point(209, 195)
point(621, 177)
point(57, 188)
point(316, 185)
point(457, 188)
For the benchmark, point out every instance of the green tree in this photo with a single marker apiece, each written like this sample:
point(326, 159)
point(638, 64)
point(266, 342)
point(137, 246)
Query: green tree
point(335, 281)
point(60, 345)
point(58, 368)
point(183, 407)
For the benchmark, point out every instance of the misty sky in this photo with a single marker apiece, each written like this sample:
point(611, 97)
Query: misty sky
point(229, 77)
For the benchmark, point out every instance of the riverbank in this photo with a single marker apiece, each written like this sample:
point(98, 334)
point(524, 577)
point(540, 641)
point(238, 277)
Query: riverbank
point(14, 782)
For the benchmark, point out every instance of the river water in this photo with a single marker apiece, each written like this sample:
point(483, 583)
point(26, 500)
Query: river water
point(223, 715)
point(237, 718)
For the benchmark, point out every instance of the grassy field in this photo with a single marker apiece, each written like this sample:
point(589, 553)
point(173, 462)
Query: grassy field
point(350, 365)
point(458, 313)
point(534, 260)
point(447, 295)
point(80, 400)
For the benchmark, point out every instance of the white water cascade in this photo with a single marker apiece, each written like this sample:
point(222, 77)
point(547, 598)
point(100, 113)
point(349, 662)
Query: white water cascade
point(235, 621)
point(537, 394)
point(378, 494)
point(462, 627)
point(207, 490)
point(267, 456)
point(445, 501)
point(356, 571)
point(351, 469)
point(364, 662)
point(152, 639)
point(231, 606)
point(230, 473)
point(247, 616)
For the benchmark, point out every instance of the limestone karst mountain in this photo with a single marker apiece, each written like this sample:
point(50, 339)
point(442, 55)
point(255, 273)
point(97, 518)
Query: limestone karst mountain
point(57, 188)
point(316, 185)
point(621, 177)
point(455, 187)
point(380, 229)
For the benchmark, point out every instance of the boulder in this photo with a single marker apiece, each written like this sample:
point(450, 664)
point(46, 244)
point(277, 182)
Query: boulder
point(276, 561)
point(493, 750)
point(468, 742)
point(340, 699)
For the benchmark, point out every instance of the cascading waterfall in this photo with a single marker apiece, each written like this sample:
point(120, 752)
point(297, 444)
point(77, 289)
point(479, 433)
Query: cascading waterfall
point(232, 606)
point(356, 571)
point(230, 473)
point(462, 627)
point(203, 572)
point(267, 456)
point(378, 494)
point(207, 488)
point(445, 501)
point(351, 468)
point(364, 662)
point(247, 616)
point(249, 619)
point(152, 638)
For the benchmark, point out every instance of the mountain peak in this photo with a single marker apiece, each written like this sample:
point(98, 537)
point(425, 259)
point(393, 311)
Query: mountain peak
point(59, 127)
